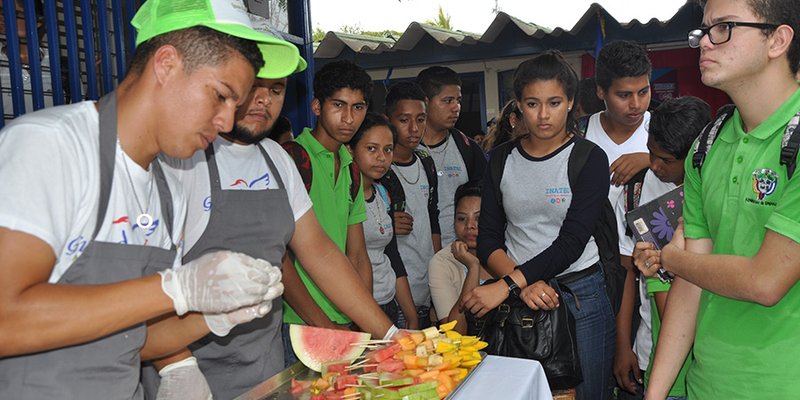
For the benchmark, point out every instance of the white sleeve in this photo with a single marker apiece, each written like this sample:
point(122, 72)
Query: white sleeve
point(45, 177)
point(296, 189)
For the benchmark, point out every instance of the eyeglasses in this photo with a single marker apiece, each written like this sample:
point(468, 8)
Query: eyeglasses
point(720, 32)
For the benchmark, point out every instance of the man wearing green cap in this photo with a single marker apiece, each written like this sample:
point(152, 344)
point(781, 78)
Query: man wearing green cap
point(87, 219)
point(246, 195)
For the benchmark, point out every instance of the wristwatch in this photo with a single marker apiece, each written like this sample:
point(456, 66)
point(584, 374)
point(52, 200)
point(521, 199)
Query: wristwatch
point(513, 288)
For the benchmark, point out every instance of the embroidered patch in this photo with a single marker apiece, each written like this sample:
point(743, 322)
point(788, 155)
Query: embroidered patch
point(764, 182)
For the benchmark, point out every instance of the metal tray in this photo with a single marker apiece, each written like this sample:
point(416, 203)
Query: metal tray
point(277, 387)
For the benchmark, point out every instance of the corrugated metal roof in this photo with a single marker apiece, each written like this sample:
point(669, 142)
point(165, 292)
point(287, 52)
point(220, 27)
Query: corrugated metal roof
point(334, 42)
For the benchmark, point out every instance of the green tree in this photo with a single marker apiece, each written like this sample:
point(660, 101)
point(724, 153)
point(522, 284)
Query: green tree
point(318, 35)
point(442, 20)
point(351, 29)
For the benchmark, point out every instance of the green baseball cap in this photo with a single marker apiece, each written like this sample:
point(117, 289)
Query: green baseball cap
point(156, 17)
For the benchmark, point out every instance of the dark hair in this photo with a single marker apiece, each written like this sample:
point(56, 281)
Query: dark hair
point(466, 190)
point(281, 126)
point(371, 120)
point(781, 12)
point(433, 79)
point(587, 97)
point(675, 124)
point(549, 65)
point(404, 90)
point(339, 75)
point(621, 59)
point(198, 46)
point(502, 131)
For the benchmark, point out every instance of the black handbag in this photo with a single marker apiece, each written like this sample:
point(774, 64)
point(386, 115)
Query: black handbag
point(515, 330)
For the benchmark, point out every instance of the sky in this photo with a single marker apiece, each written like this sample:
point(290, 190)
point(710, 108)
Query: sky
point(476, 15)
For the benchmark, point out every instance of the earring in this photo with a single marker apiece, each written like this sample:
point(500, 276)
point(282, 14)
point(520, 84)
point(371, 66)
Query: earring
point(513, 126)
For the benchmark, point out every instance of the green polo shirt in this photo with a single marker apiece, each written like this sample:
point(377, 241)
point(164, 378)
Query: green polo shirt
point(335, 210)
point(742, 349)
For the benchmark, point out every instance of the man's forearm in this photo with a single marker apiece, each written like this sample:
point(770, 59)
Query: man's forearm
point(167, 335)
point(363, 267)
point(675, 338)
point(346, 291)
point(626, 310)
point(298, 297)
point(763, 279)
point(171, 359)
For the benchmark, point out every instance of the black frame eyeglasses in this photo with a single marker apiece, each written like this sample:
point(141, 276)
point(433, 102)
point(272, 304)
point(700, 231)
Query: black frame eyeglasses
point(720, 32)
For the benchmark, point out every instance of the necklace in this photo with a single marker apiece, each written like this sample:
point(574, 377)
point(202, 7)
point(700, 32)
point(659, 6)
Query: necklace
point(144, 220)
point(376, 215)
point(439, 165)
point(419, 172)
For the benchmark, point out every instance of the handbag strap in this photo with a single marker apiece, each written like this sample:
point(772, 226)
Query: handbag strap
point(562, 287)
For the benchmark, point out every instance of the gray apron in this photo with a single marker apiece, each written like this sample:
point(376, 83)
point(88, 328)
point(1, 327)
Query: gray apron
point(258, 223)
point(106, 368)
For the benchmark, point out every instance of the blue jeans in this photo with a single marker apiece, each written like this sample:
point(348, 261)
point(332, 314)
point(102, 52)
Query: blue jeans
point(288, 351)
point(395, 313)
point(595, 331)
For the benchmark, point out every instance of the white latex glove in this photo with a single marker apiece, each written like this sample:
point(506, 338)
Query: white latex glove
point(183, 380)
point(221, 324)
point(219, 282)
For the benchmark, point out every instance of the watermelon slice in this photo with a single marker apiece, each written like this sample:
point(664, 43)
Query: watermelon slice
point(314, 346)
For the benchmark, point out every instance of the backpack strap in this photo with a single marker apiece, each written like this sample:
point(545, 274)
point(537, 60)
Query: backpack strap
point(394, 190)
point(790, 145)
point(577, 159)
point(430, 173)
point(497, 163)
point(462, 143)
point(709, 135)
point(355, 180)
point(633, 193)
point(384, 195)
point(302, 161)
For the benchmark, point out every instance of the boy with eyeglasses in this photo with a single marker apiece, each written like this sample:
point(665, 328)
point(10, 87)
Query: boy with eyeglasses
point(738, 261)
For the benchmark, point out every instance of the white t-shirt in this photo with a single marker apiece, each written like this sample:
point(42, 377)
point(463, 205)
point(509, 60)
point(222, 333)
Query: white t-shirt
point(637, 143)
point(416, 248)
point(652, 188)
point(241, 167)
point(51, 184)
point(450, 164)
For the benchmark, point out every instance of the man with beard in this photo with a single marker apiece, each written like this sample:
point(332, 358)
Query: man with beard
point(246, 195)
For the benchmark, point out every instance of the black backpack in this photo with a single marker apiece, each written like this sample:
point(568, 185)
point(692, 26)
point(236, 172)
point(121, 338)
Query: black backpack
point(395, 188)
point(303, 163)
point(789, 145)
point(605, 231)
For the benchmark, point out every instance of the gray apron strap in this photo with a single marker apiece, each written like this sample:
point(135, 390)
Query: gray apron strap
point(107, 108)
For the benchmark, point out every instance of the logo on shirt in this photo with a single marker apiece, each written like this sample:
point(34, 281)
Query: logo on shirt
point(426, 190)
point(557, 195)
point(452, 171)
point(764, 183)
point(76, 246)
point(207, 203)
point(124, 222)
point(264, 179)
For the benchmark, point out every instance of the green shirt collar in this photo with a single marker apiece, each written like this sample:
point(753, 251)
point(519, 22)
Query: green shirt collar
point(773, 125)
point(313, 146)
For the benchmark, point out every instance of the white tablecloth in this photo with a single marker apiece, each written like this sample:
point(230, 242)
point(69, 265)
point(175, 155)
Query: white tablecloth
point(505, 378)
